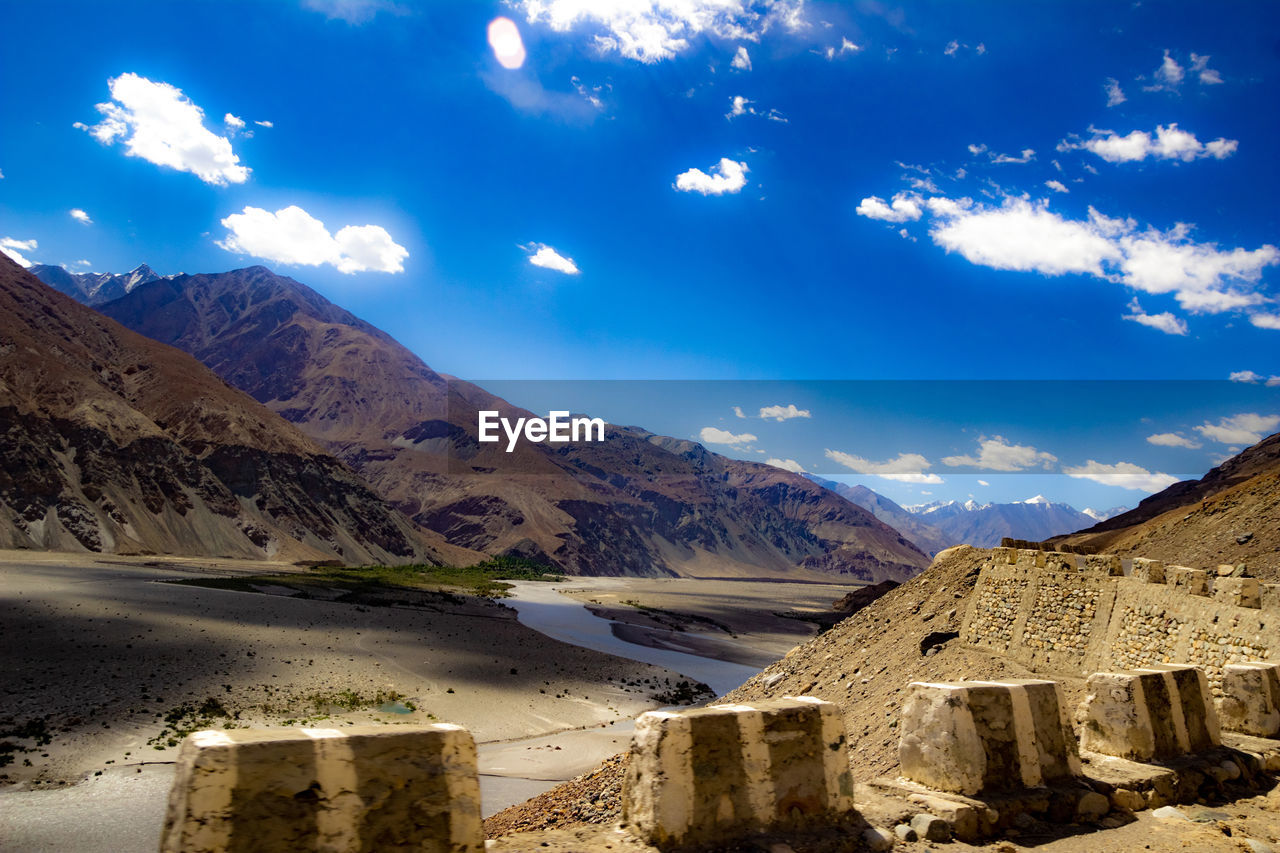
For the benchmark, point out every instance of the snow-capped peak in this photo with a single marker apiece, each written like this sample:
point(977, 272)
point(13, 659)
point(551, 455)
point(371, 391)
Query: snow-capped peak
point(1038, 499)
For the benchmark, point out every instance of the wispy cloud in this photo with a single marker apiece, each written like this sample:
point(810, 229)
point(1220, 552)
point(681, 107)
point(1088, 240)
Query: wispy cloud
point(80, 216)
point(997, 454)
point(904, 468)
point(1126, 475)
point(715, 435)
point(1244, 428)
point(1173, 439)
point(1164, 321)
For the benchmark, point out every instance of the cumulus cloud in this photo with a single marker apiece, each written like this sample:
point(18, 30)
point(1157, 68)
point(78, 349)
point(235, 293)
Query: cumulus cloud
point(728, 176)
point(737, 410)
point(1244, 428)
point(1200, 67)
point(785, 464)
point(1126, 475)
point(1164, 321)
point(1057, 186)
point(233, 122)
point(1168, 76)
point(1115, 95)
point(905, 207)
point(1168, 143)
point(997, 454)
point(784, 413)
point(548, 258)
point(1026, 236)
point(715, 435)
point(161, 125)
point(1266, 321)
point(653, 30)
point(14, 249)
point(741, 59)
point(292, 236)
point(905, 468)
point(1172, 439)
point(80, 216)
point(1251, 378)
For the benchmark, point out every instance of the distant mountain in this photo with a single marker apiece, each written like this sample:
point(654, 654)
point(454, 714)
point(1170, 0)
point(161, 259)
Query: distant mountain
point(116, 443)
point(1230, 515)
point(984, 525)
point(93, 288)
point(634, 504)
point(1104, 514)
point(926, 537)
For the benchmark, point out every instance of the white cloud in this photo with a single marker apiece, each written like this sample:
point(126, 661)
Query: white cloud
point(1126, 475)
point(265, 123)
point(715, 435)
point(1244, 428)
point(1026, 236)
point(1057, 186)
point(161, 125)
point(1115, 95)
point(905, 468)
point(14, 249)
point(1200, 67)
point(785, 464)
point(233, 122)
point(590, 93)
point(1172, 439)
point(983, 483)
point(80, 216)
point(1168, 76)
point(1247, 376)
point(741, 59)
point(741, 106)
point(548, 258)
point(784, 413)
point(905, 208)
point(354, 12)
point(737, 410)
point(1169, 143)
point(997, 454)
point(654, 30)
point(1265, 321)
point(728, 176)
point(292, 236)
point(1164, 321)
point(977, 150)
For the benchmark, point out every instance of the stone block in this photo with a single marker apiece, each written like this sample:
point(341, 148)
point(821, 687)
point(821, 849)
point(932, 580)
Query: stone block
point(1192, 581)
point(1057, 561)
point(358, 788)
point(1004, 556)
point(1104, 564)
point(1031, 557)
point(973, 737)
point(1242, 592)
point(1251, 699)
point(1270, 597)
point(725, 771)
point(1148, 571)
point(1149, 714)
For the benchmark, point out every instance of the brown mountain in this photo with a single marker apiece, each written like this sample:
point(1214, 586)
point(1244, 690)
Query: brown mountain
point(926, 537)
point(1230, 515)
point(116, 443)
point(636, 503)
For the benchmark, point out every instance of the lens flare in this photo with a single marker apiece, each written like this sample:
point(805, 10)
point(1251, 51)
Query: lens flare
point(508, 47)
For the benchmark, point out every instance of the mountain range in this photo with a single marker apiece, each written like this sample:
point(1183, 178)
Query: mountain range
point(93, 288)
point(984, 525)
point(116, 443)
point(636, 503)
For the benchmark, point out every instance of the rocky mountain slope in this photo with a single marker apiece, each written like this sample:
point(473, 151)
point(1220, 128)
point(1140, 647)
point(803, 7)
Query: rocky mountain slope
point(1230, 515)
point(636, 503)
point(116, 443)
point(984, 525)
point(93, 288)
point(926, 537)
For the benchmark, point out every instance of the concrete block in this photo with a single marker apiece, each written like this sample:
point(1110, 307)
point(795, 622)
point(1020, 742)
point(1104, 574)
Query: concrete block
point(1148, 571)
point(1149, 714)
point(358, 788)
point(1192, 581)
point(1104, 564)
point(972, 737)
point(1242, 592)
point(1251, 699)
point(724, 771)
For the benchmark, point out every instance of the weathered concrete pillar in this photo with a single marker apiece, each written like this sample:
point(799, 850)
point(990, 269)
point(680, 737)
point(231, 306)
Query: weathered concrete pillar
point(975, 736)
point(1242, 592)
point(724, 771)
point(1193, 581)
point(1104, 564)
point(1151, 713)
point(359, 788)
point(1148, 571)
point(1251, 700)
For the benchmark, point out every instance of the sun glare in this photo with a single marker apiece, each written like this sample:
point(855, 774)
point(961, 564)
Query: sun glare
point(508, 47)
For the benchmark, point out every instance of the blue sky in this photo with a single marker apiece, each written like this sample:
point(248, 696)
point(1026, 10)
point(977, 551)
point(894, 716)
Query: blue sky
point(704, 191)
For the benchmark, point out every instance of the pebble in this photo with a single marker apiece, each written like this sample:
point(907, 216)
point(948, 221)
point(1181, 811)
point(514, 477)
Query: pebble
point(1168, 813)
point(931, 827)
point(905, 833)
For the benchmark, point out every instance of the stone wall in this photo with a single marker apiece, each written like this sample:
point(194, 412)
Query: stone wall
point(1067, 613)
